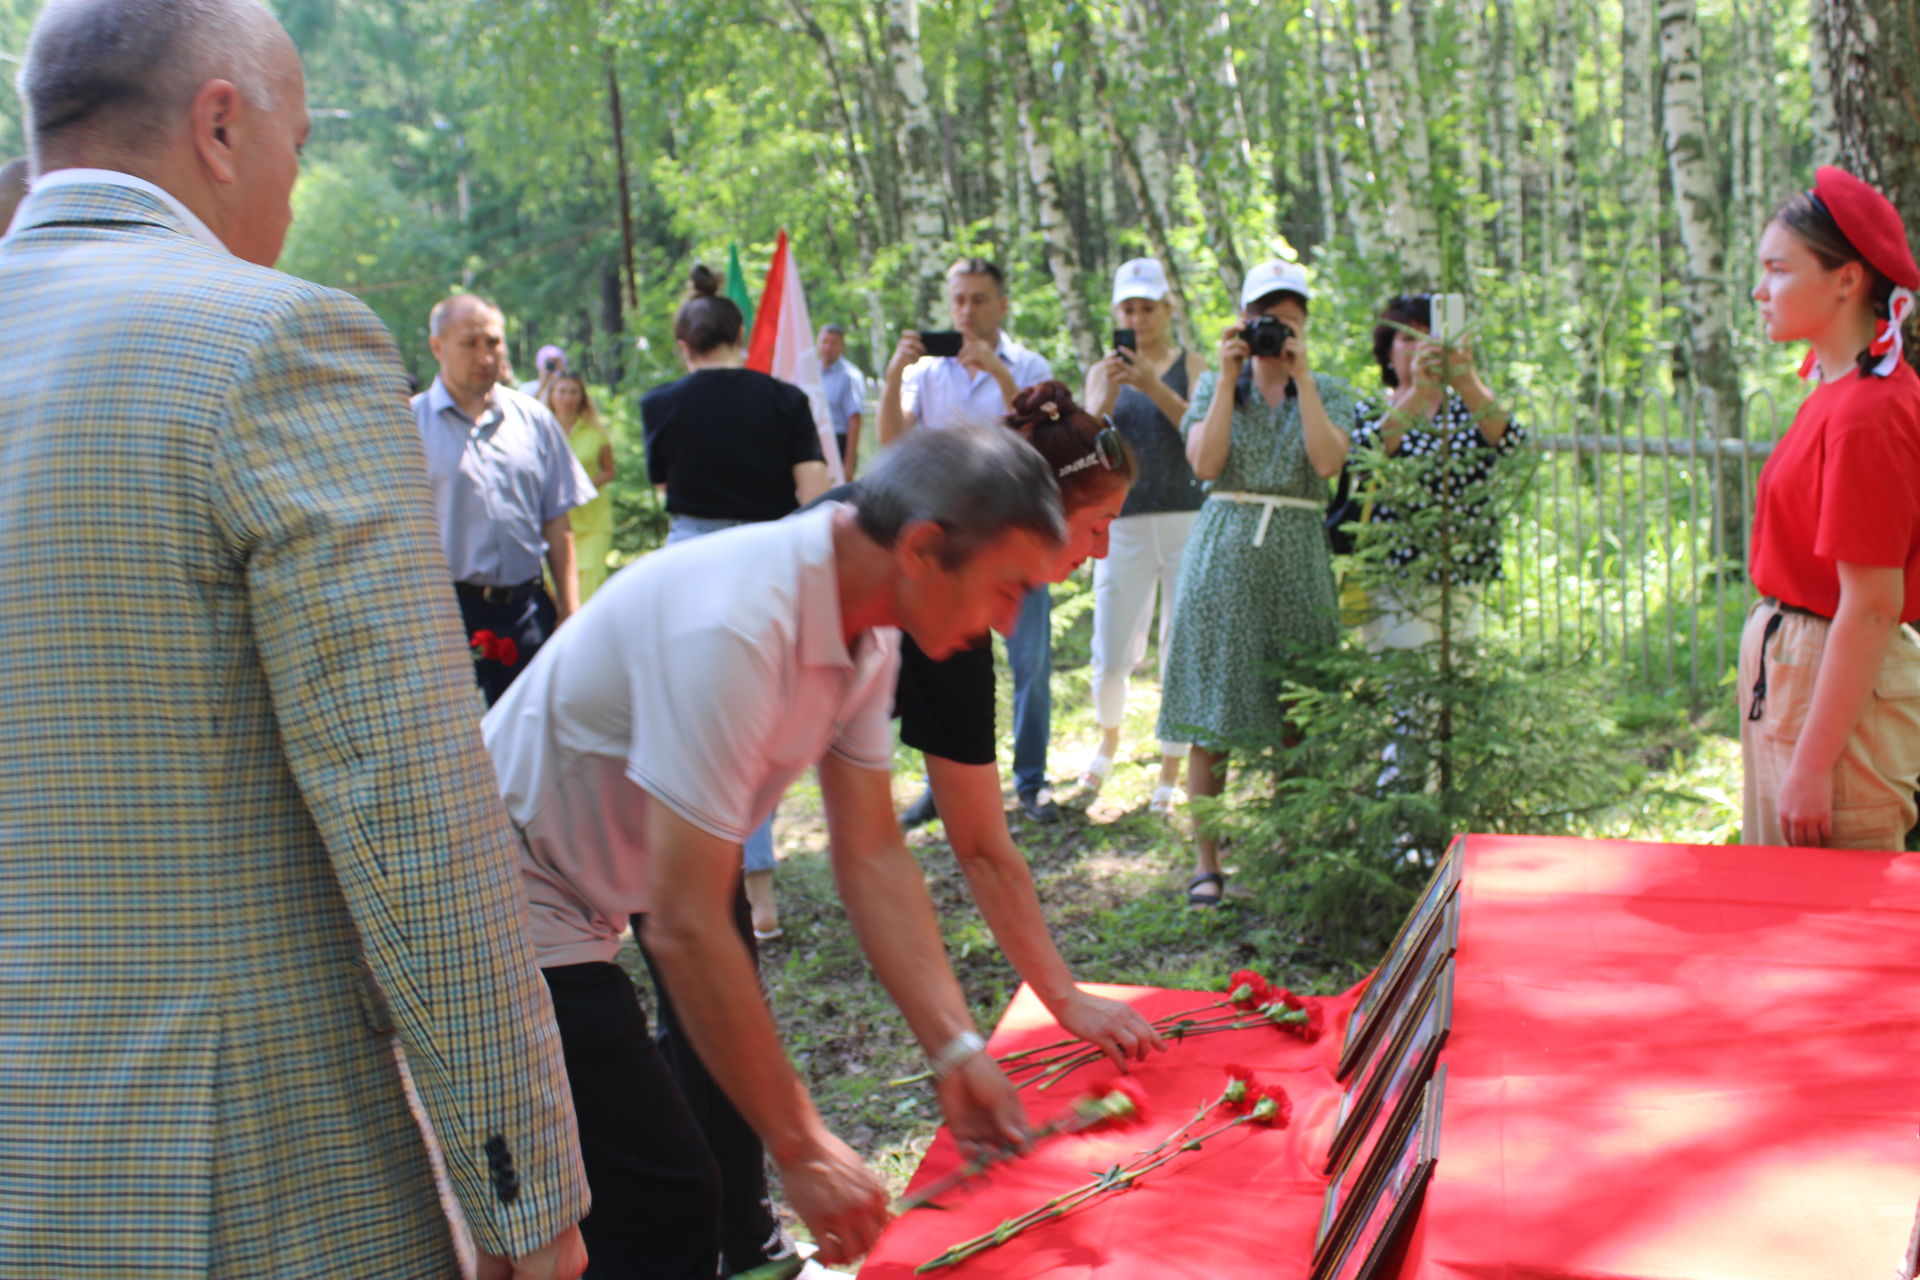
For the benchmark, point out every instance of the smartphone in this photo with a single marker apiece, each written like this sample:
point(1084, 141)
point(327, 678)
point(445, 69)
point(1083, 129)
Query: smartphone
point(941, 342)
point(1449, 318)
point(1123, 339)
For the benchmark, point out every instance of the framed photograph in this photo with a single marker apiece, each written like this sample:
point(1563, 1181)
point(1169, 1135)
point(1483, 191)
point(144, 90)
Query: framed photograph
point(1385, 1201)
point(1387, 1079)
point(1391, 979)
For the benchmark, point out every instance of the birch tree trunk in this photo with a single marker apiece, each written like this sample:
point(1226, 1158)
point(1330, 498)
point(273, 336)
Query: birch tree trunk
point(1871, 46)
point(1411, 174)
point(1337, 81)
point(1504, 69)
point(1826, 129)
point(1150, 200)
point(1199, 137)
point(923, 224)
point(1697, 202)
point(1639, 181)
point(1566, 167)
point(1062, 244)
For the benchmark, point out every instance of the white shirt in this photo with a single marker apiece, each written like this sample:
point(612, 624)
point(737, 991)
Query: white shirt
point(707, 677)
point(114, 178)
point(941, 392)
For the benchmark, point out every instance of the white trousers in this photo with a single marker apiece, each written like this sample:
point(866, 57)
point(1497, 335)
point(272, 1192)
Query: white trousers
point(1143, 554)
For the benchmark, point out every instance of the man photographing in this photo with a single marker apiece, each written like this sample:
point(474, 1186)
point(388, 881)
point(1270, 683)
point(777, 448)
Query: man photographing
point(976, 387)
point(656, 730)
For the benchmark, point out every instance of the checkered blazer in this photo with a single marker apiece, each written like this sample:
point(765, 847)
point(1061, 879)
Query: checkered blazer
point(240, 767)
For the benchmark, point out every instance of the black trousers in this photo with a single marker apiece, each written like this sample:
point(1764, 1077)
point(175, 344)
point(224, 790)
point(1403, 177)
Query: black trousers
point(656, 1189)
point(750, 1232)
point(527, 622)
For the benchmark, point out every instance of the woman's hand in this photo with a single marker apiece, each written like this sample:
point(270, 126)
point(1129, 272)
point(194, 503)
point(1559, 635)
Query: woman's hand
point(1805, 805)
point(1460, 371)
point(1115, 1029)
point(1293, 357)
point(1234, 352)
point(1104, 381)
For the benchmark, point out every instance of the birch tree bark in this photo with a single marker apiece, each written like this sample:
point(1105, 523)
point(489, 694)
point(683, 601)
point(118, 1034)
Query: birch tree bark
point(1200, 137)
point(1697, 201)
point(1871, 46)
point(1826, 129)
point(1338, 90)
point(1056, 232)
point(1503, 67)
point(1413, 186)
point(1150, 200)
point(923, 222)
point(1568, 205)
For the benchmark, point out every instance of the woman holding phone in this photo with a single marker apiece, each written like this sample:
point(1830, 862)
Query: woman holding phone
point(1141, 387)
point(1256, 583)
point(1439, 412)
point(1829, 661)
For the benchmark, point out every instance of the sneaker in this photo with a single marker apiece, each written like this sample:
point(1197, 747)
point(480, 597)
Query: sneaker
point(920, 812)
point(1039, 805)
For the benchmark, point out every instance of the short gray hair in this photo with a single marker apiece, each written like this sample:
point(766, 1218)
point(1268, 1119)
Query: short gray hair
point(977, 483)
point(444, 309)
point(121, 73)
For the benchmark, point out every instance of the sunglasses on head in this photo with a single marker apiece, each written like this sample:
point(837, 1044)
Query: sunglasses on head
point(1106, 452)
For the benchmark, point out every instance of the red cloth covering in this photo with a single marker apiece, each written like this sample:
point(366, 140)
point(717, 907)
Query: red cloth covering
point(1243, 1207)
point(1667, 1063)
point(1842, 484)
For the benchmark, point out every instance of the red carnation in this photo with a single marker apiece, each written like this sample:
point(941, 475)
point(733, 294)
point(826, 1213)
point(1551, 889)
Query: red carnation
point(1241, 1094)
point(1274, 1108)
point(1280, 995)
point(482, 643)
point(1248, 989)
point(506, 652)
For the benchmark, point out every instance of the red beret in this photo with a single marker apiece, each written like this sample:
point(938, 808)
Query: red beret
point(1869, 222)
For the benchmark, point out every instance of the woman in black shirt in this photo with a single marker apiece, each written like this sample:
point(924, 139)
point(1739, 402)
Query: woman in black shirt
point(727, 445)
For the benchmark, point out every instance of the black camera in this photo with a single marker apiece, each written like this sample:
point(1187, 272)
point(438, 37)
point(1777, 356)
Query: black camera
point(1266, 336)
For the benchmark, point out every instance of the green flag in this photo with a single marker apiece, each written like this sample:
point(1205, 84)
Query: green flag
point(737, 285)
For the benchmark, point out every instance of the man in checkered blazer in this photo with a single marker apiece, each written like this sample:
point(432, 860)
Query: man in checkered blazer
point(247, 828)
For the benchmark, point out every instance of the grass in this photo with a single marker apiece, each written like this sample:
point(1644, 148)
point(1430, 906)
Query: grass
point(1111, 879)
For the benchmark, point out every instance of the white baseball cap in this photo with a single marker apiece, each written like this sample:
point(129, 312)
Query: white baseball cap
point(1272, 277)
point(1140, 278)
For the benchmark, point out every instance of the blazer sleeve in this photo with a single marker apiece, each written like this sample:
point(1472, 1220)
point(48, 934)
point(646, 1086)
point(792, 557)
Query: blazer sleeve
point(319, 488)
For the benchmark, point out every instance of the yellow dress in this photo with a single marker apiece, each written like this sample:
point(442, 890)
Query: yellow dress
point(593, 522)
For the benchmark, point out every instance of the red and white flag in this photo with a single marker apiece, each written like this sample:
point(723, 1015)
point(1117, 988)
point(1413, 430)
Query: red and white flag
point(782, 345)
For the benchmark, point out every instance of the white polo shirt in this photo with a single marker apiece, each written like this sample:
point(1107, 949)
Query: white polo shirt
point(941, 392)
point(707, 677)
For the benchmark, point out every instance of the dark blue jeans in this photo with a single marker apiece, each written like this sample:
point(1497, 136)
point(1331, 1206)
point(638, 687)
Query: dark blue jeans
point(526, 622)
point(1030, 654)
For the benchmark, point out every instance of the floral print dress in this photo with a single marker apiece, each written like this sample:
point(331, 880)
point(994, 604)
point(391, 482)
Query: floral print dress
point(1241, 609)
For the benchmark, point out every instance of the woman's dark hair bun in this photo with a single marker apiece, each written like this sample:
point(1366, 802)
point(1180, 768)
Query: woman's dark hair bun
point(1031, 406)
point(702, 283)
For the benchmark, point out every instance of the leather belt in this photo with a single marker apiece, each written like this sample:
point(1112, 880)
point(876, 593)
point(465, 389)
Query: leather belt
point(497, 595)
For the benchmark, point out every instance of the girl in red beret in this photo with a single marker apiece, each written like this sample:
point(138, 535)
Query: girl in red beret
point(1829, 668)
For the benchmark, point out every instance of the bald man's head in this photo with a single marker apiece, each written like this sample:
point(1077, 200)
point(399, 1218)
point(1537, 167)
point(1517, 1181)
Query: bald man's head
point(13, 189)
point(113, 77)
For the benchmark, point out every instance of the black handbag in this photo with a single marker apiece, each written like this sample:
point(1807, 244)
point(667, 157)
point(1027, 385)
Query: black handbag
point(1344, 509)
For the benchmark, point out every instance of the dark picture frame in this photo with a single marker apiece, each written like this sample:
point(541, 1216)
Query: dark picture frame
point(1390, 980)
point(1387, 1200)
point(1387, 1078)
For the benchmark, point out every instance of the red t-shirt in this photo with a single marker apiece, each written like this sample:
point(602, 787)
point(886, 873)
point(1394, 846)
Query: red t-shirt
point(1842, 484)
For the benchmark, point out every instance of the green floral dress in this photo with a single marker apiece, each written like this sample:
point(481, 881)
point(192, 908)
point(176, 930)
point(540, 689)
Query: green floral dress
point(1239, 608)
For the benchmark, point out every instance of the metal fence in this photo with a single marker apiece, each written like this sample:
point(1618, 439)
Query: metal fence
point(1626, 542)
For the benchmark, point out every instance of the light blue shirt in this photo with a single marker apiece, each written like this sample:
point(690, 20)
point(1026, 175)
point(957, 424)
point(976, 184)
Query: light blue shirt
point(496, 482)
point(845, 388)
point(941, 392)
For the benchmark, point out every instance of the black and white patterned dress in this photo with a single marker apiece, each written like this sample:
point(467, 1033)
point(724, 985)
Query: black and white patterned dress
point(1460, 479)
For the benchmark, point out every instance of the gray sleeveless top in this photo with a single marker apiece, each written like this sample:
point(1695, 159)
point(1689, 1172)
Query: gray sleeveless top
point(1166, 481)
